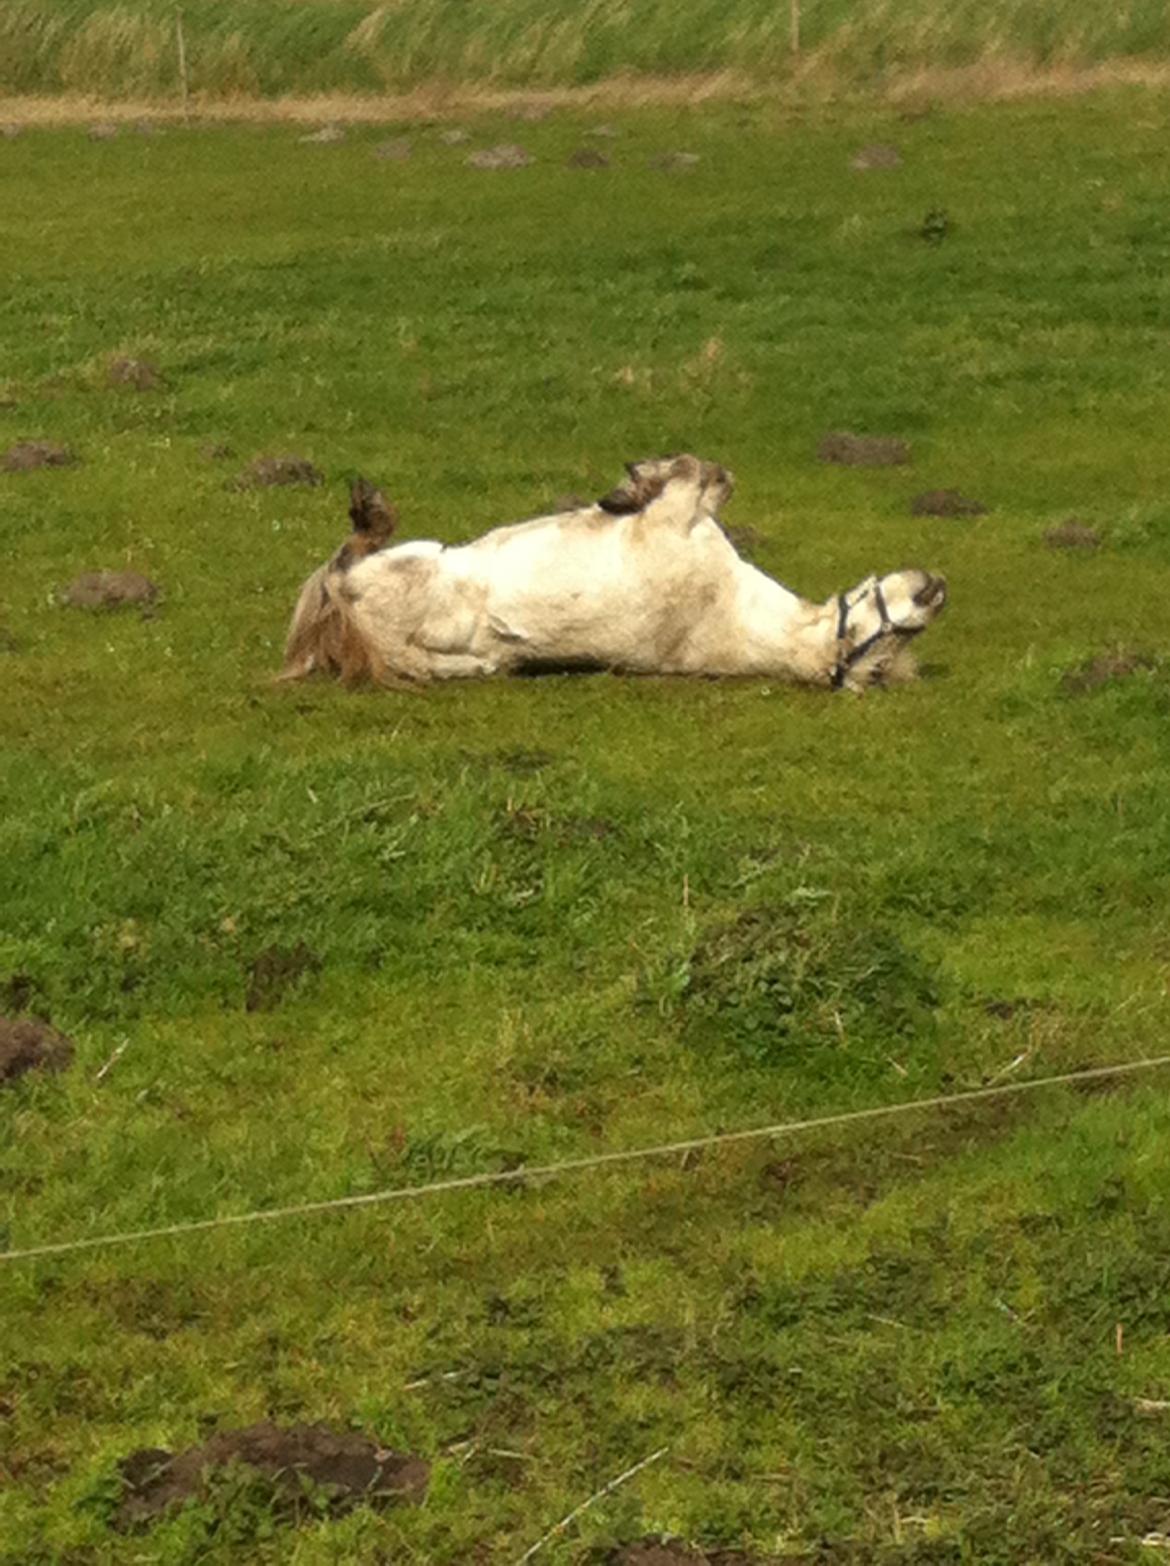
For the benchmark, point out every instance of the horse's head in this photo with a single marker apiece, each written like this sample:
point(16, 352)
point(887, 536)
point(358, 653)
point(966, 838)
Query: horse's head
point(877, 620)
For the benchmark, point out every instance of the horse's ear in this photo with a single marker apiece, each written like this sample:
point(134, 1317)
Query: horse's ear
point(371, 513)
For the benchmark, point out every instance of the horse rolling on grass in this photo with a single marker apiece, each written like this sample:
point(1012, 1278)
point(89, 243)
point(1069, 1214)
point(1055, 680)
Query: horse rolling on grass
point(644, 582)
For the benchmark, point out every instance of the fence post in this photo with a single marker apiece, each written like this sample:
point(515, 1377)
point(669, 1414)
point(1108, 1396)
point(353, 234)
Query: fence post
point(181, 44)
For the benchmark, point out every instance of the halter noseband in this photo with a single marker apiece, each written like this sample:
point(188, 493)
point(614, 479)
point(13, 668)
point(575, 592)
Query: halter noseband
point(846, 660)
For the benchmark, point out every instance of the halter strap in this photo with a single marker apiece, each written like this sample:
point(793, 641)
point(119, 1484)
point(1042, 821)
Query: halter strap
point(886, 627)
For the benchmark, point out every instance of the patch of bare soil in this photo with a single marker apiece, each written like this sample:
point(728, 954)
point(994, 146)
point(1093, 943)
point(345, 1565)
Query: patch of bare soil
point(275, 971)
point(27, 455)
point(109, 590)
point(946, 503)
point(1072, 533)
point(587, 158)
point(263, 472)
point(28, 1045)
point(10, 132)
point(506, 156)
point(350, 1469)
point(674, 162)
point(218, 451)
point(608, 131)
point(876, 156)
point(325, 137)
point(455, 137)
point(397, 151)
point(1105, 669)
point(134, 375)
point(862, 451)
point(103, 132)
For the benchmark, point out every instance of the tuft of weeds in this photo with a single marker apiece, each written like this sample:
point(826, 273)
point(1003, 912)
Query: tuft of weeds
point(783, 980)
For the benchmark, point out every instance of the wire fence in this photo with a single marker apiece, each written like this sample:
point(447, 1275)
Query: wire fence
point(575, 1166)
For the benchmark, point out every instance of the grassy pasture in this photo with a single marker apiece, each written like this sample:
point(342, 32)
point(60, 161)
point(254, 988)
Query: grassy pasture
point(265, 47)
point(560, 916)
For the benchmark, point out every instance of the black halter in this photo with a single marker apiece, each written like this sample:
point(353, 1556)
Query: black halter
point(886, 627)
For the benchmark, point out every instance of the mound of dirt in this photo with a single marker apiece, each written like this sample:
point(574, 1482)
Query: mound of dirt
point(1105, 669)
point(109, 590)
point(263, 472)
point(506, 156)
point(863, 451)
point(274, 971)
point(326, 136)
point(134, 375)
point(876, 156)
point(946, 503)
point(1072, 533)
point(349, 1468)
point(102, 132)
point(397, 151)
point(455, 137)
point(29, 454)
point(28, 1045)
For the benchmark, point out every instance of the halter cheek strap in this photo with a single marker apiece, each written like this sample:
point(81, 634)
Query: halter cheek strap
point(886, 627)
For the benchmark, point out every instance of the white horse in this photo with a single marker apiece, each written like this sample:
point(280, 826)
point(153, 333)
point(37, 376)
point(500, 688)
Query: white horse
point(645, 581)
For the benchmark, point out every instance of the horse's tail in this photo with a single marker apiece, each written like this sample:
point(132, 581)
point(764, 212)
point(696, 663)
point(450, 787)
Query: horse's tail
point(323, 635)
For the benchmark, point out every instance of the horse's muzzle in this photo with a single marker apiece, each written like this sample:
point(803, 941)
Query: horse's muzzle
point(933, 592)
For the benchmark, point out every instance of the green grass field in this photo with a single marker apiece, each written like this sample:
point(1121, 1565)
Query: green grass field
point(265, 47)
point(549, 918)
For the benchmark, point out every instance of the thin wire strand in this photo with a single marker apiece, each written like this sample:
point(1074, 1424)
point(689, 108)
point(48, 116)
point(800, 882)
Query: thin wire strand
point(599, 1495)
point(577, 1165)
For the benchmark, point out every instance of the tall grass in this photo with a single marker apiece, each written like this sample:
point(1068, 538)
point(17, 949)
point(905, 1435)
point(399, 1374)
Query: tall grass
point(113, 48)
